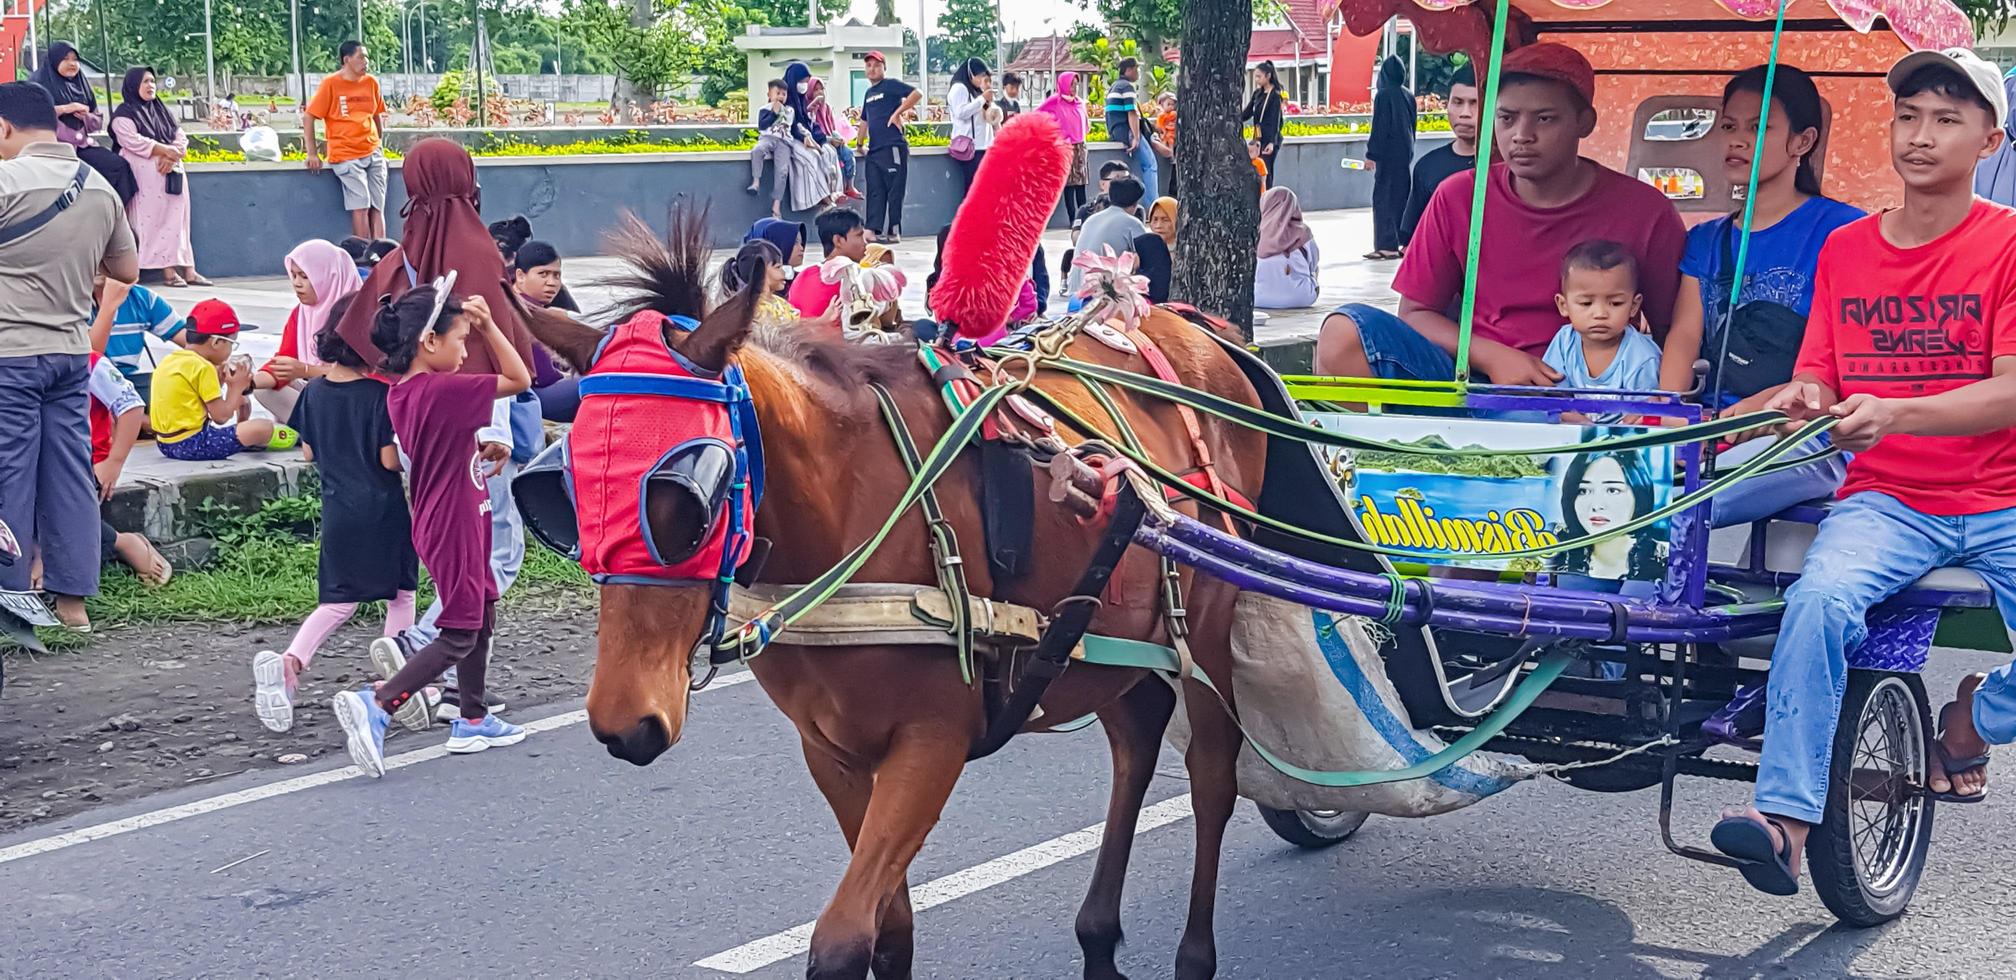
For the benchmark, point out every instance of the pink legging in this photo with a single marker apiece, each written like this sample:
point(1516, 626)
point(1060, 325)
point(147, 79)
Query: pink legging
point(329, 616)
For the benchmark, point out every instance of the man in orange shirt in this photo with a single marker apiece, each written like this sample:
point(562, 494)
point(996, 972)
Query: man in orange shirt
point(349, 105)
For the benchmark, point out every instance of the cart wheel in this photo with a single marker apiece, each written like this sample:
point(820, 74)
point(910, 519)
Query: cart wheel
point(1870, 848)
point(1312, 829)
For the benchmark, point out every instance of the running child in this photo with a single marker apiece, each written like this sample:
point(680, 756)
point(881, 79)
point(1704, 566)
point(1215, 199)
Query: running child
point(367, 538)
point(436, 415)
point(1601, 346)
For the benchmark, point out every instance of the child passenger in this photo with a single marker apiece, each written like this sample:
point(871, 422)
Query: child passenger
point(1601, 346)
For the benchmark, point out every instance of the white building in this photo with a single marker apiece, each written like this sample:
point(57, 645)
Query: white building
point(833, 52)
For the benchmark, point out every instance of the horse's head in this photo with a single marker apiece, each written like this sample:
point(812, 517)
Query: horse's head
point(654, 490)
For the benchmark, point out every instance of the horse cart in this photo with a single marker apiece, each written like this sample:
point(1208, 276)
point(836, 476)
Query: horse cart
point(1432, 592)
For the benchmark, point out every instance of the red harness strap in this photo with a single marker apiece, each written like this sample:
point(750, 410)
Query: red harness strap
point(1205, 475)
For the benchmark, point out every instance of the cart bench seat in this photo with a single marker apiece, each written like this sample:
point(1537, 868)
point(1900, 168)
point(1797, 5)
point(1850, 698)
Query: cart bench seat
point(1790, 533)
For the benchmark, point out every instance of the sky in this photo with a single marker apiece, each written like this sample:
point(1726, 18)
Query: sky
point(1023, 18)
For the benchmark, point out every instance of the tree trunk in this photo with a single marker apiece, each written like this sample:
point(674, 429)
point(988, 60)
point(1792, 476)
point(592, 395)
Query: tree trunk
point(1218, 235)
point(642, 16)
point(1152, 44)
point(885, 13)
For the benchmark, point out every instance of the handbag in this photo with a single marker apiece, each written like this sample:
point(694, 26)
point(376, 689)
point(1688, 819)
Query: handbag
point(172, 182)
point(1761, 339)
point(961, 148)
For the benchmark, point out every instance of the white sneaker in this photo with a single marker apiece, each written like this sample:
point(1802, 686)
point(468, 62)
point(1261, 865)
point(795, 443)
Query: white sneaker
point(270, 697)
point(417, 714)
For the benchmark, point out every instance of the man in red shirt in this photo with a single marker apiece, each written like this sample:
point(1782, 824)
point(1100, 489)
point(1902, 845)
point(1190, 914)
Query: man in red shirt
point(1912, 343)
point(1543, 199)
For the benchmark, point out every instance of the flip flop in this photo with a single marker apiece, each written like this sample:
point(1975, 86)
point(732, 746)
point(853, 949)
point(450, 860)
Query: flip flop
point(1955, 767)
point(196, 280)
point(1766, 867)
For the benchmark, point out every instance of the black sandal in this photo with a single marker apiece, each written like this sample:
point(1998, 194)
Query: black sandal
point(1955, 767)
point(1766, 866)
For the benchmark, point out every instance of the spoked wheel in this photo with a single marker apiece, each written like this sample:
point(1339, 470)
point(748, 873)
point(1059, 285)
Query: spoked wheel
point(1868, 852)
point(1312, 829)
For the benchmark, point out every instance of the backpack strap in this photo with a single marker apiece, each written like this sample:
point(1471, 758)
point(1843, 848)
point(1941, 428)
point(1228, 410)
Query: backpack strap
point(14, 233)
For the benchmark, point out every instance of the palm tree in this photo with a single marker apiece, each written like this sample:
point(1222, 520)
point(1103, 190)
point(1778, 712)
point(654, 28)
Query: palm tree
point(1219, 230)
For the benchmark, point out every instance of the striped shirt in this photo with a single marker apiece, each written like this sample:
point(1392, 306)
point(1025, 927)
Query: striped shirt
point(140, 314)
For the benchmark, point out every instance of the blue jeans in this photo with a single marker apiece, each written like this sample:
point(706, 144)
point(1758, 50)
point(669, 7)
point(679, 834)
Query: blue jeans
point(1760, 497)
point(1394, 349)
point(1870, 547)
point(48, 496)
point(846, 155)
point(1143, 164)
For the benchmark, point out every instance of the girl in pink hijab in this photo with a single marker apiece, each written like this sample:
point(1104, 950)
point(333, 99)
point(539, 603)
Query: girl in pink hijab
point(1069, 111)
point(321, 274)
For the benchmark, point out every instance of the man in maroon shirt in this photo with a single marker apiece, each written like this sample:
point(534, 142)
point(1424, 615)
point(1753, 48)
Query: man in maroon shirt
point(1543, 199)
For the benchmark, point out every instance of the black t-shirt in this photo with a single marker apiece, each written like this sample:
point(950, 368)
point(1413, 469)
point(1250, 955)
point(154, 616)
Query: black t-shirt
point(1434, 167)
point(879, 103)
point(367, 538)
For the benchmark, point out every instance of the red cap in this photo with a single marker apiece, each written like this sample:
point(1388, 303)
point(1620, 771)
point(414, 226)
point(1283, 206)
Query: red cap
point(214, 318)
point(875, 56)
point(1554, 62)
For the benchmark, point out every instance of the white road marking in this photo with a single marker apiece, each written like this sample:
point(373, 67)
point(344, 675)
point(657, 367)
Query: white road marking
point(225, 801)
point(752, 956)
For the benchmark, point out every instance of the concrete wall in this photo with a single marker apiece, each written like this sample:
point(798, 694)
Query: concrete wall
point(246, 216)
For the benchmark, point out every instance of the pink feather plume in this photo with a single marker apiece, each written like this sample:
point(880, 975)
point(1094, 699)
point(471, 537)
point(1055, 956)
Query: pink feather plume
point(995, 234)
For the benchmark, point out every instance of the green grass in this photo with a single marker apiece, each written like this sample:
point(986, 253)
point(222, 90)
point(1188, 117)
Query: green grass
point(265, 573)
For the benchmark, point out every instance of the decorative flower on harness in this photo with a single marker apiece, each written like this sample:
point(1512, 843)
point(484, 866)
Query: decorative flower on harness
point(1110, 288)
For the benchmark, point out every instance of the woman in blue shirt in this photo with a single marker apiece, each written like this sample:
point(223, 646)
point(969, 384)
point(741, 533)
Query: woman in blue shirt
point(1790, 221)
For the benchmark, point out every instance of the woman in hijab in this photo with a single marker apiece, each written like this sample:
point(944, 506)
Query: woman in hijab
point(1156, 250)
point(1069, 110)
point(970, 103)
point(442, 233)
point(62, 75)
point(1390, 155)
point(788, 237)
point(1264, 111)
point(153, 145)
point(322, 275)
point(839, 132)
point(1995, 178)
point(810, 186)
point(1285, 278)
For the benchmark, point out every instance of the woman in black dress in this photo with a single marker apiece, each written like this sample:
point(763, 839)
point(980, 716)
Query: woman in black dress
point(1264, 112)
point(77, 118)
point(1391, 153)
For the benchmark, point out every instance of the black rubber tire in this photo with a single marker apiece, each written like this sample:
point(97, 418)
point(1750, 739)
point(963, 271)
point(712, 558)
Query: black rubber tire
point(1312, 830)
point(1837, 875)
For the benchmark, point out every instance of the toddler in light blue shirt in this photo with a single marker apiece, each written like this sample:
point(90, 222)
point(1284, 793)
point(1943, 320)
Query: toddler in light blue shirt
point(1601, 347)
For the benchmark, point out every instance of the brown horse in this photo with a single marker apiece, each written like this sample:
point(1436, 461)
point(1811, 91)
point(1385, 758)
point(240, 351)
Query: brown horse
point(886, 729)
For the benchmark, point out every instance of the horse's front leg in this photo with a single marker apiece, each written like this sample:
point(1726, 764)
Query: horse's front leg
point(912, 783)
point(847, 791)
point(1134, 725)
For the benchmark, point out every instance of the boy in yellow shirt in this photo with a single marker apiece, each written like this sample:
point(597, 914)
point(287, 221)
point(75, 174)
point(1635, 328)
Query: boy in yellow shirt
point(199, 392)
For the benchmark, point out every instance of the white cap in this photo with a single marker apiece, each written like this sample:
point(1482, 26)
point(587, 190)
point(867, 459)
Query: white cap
point(1985, 78)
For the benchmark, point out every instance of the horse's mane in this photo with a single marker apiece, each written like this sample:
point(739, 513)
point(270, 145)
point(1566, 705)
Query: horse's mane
point(669, 275)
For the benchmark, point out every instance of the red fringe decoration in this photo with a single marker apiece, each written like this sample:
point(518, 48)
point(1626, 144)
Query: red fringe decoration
point(995, 234)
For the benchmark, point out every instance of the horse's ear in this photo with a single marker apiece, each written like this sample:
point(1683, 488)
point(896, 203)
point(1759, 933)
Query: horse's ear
point(573, 340)
point(723, 332)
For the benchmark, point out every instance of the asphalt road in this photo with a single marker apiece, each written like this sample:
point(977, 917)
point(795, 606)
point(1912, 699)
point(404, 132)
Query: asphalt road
point(553, 860)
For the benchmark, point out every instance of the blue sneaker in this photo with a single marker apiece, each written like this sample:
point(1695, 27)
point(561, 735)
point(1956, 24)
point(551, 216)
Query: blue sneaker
point(365, 723)
point(466, 736)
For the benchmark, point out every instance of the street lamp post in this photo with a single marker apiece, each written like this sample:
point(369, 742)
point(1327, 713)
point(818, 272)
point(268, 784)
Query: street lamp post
point(209, 57)
point(476, 58)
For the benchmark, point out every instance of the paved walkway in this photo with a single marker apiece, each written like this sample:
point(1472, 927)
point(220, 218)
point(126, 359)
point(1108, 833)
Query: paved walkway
point(1341, 237)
